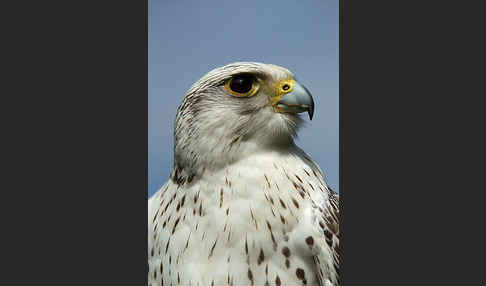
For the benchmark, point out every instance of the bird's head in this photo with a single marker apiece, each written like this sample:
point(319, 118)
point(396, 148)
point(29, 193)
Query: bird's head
point(237, 109)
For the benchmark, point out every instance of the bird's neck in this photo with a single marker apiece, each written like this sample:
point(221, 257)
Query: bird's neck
point(190, 163)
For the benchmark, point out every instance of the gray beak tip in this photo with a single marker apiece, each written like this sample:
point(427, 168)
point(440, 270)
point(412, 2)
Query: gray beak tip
point(311, 109)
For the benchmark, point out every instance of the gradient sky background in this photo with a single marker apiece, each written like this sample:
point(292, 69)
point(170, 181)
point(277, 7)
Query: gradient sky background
point(189, 38)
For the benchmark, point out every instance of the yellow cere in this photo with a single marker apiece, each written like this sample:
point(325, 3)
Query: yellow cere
point(282, 88)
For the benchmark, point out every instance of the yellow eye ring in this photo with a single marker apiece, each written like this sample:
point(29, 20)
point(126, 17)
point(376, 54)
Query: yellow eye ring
point(242, 86)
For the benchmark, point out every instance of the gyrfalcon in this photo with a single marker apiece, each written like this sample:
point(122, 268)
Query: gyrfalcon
point(243, 205)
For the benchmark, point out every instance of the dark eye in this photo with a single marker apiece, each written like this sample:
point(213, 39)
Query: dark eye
point(241, 83)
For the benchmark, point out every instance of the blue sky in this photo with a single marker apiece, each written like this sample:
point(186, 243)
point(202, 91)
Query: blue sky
point(189, 38)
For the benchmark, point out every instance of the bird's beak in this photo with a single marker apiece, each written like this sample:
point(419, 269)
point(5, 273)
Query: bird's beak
point(297, 101)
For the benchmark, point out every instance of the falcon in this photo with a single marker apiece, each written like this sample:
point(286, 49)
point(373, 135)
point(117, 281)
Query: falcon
point(243, 204)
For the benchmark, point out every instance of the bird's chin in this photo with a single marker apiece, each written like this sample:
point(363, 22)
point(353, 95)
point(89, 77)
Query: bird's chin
point(284, 125)
point(294, 122)
point(296, 117)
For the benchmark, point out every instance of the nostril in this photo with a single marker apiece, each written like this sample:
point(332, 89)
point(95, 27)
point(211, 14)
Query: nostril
point(285, 87)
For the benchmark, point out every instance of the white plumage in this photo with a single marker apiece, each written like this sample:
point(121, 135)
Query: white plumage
point(244, 205)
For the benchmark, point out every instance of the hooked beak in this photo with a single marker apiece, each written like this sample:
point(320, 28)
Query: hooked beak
point(297, 101)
